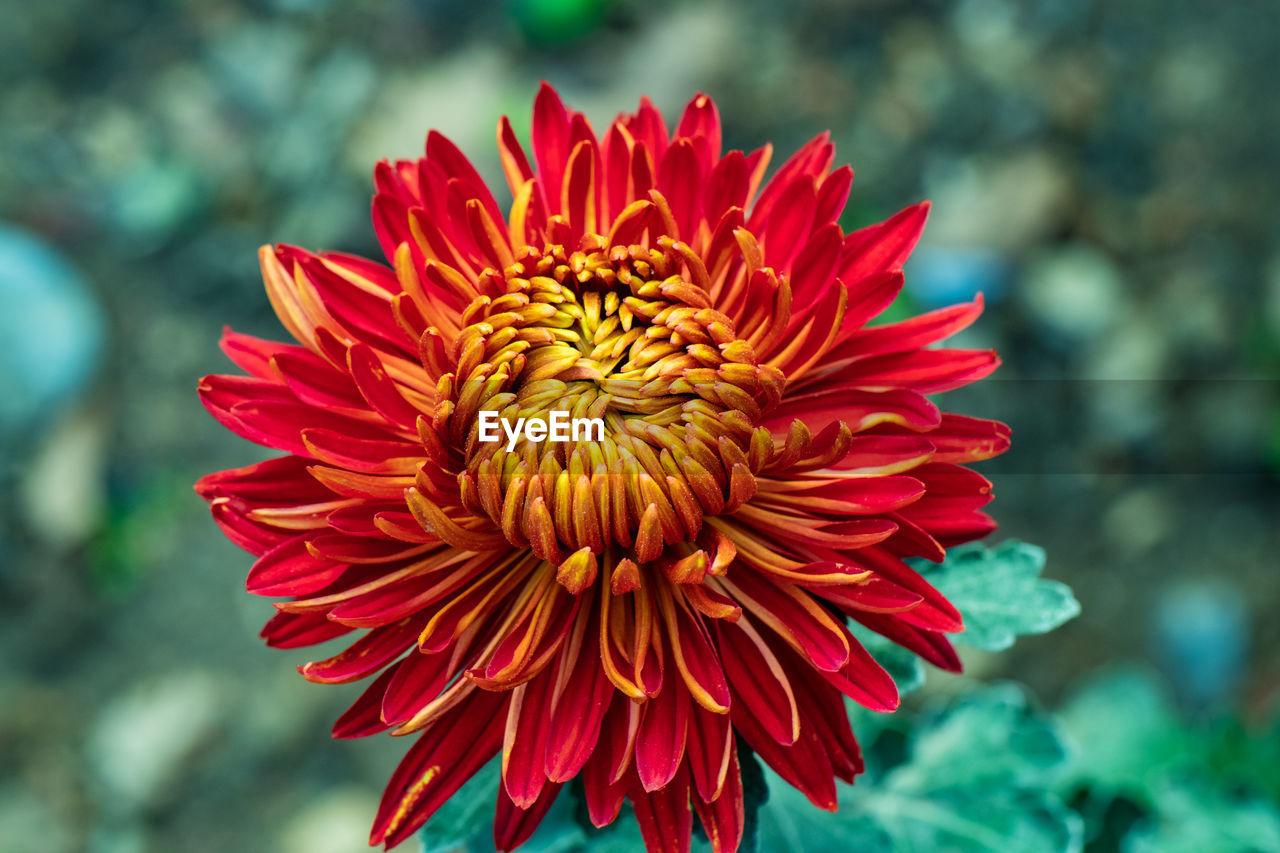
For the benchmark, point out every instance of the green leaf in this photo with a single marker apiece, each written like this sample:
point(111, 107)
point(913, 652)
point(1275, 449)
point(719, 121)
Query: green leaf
point(971, 820)
point(985, 738)
point(1000, 593)
point(1247, 753)
point(1124, 730)
point(1191, 818)
point(975, 780)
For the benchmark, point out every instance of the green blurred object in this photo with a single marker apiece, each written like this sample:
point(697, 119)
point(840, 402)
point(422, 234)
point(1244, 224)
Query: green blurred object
point(1191, 818)
point(975, 778)
point(128, 545)
point(1204, 786)
point(1126, 728)
point(556, 22)
point(1000, 593)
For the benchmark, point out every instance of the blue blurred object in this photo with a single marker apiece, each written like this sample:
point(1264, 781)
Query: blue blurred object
point(938, 276)
point(1202, 633)
point(52, 330)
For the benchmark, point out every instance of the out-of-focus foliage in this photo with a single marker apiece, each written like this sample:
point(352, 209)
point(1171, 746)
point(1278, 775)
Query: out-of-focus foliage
point(1161, 783)
point(555, 23)
point(1001, 594)
point(976, 777)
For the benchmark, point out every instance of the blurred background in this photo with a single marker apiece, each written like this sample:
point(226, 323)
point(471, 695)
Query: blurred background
point(1105, 172)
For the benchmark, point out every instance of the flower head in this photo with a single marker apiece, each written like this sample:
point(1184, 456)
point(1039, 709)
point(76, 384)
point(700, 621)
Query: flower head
point(621, 607)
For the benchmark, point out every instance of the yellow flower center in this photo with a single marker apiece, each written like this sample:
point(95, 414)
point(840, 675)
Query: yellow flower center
point(627, 335)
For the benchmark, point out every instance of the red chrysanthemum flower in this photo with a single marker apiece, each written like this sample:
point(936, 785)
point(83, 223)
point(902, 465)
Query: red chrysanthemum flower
point(612, 610)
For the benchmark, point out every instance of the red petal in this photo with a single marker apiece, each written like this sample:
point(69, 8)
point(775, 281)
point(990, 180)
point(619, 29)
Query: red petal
point(660, 743)
point(790, 224)
point(679, 181)
point(934, 612)
point(794, 615)
point(283, 481)
point(357, 305)
point(362, 550)
point(694, 655)
point(384, 601)
point(710, 743)
point(805, 764)
point(864, 681)
point(883, 247)
point(291, 569)
point(574, 726)
point(441, 150)
point(257, 539)
point(535, 637)
point(700, 118)
point(812, 160)
point(664, 817)
point(364, 717)
point(849, 496)
point(869, 297)
point(813, 274)
point(295, 630)
point(279, 424)
point(760, 685)
point(512, 825)
point(364, 486)
point(726, 187)
point(928, 371)
point(367, 456)
point(514, 162)
point(444, 757)
point(524, 746)
point(649, 130)
point(604, 797)
point(550, 142)
point(378, 389)
point(879, 455)
point(964, 439)
point(918, 331)
point(604, 776)
point(366, 655)
point(933, 646)
point(316, 382)
point(616, 159)
point(826, 718)
point(415, 681)
point(253, 355)
point(873, 595)
point(833, 192)
point(724, 819)
point(578, 198)
point(855, 406)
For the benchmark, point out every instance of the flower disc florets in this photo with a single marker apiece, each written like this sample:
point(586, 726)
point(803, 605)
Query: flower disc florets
point(616, 333)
